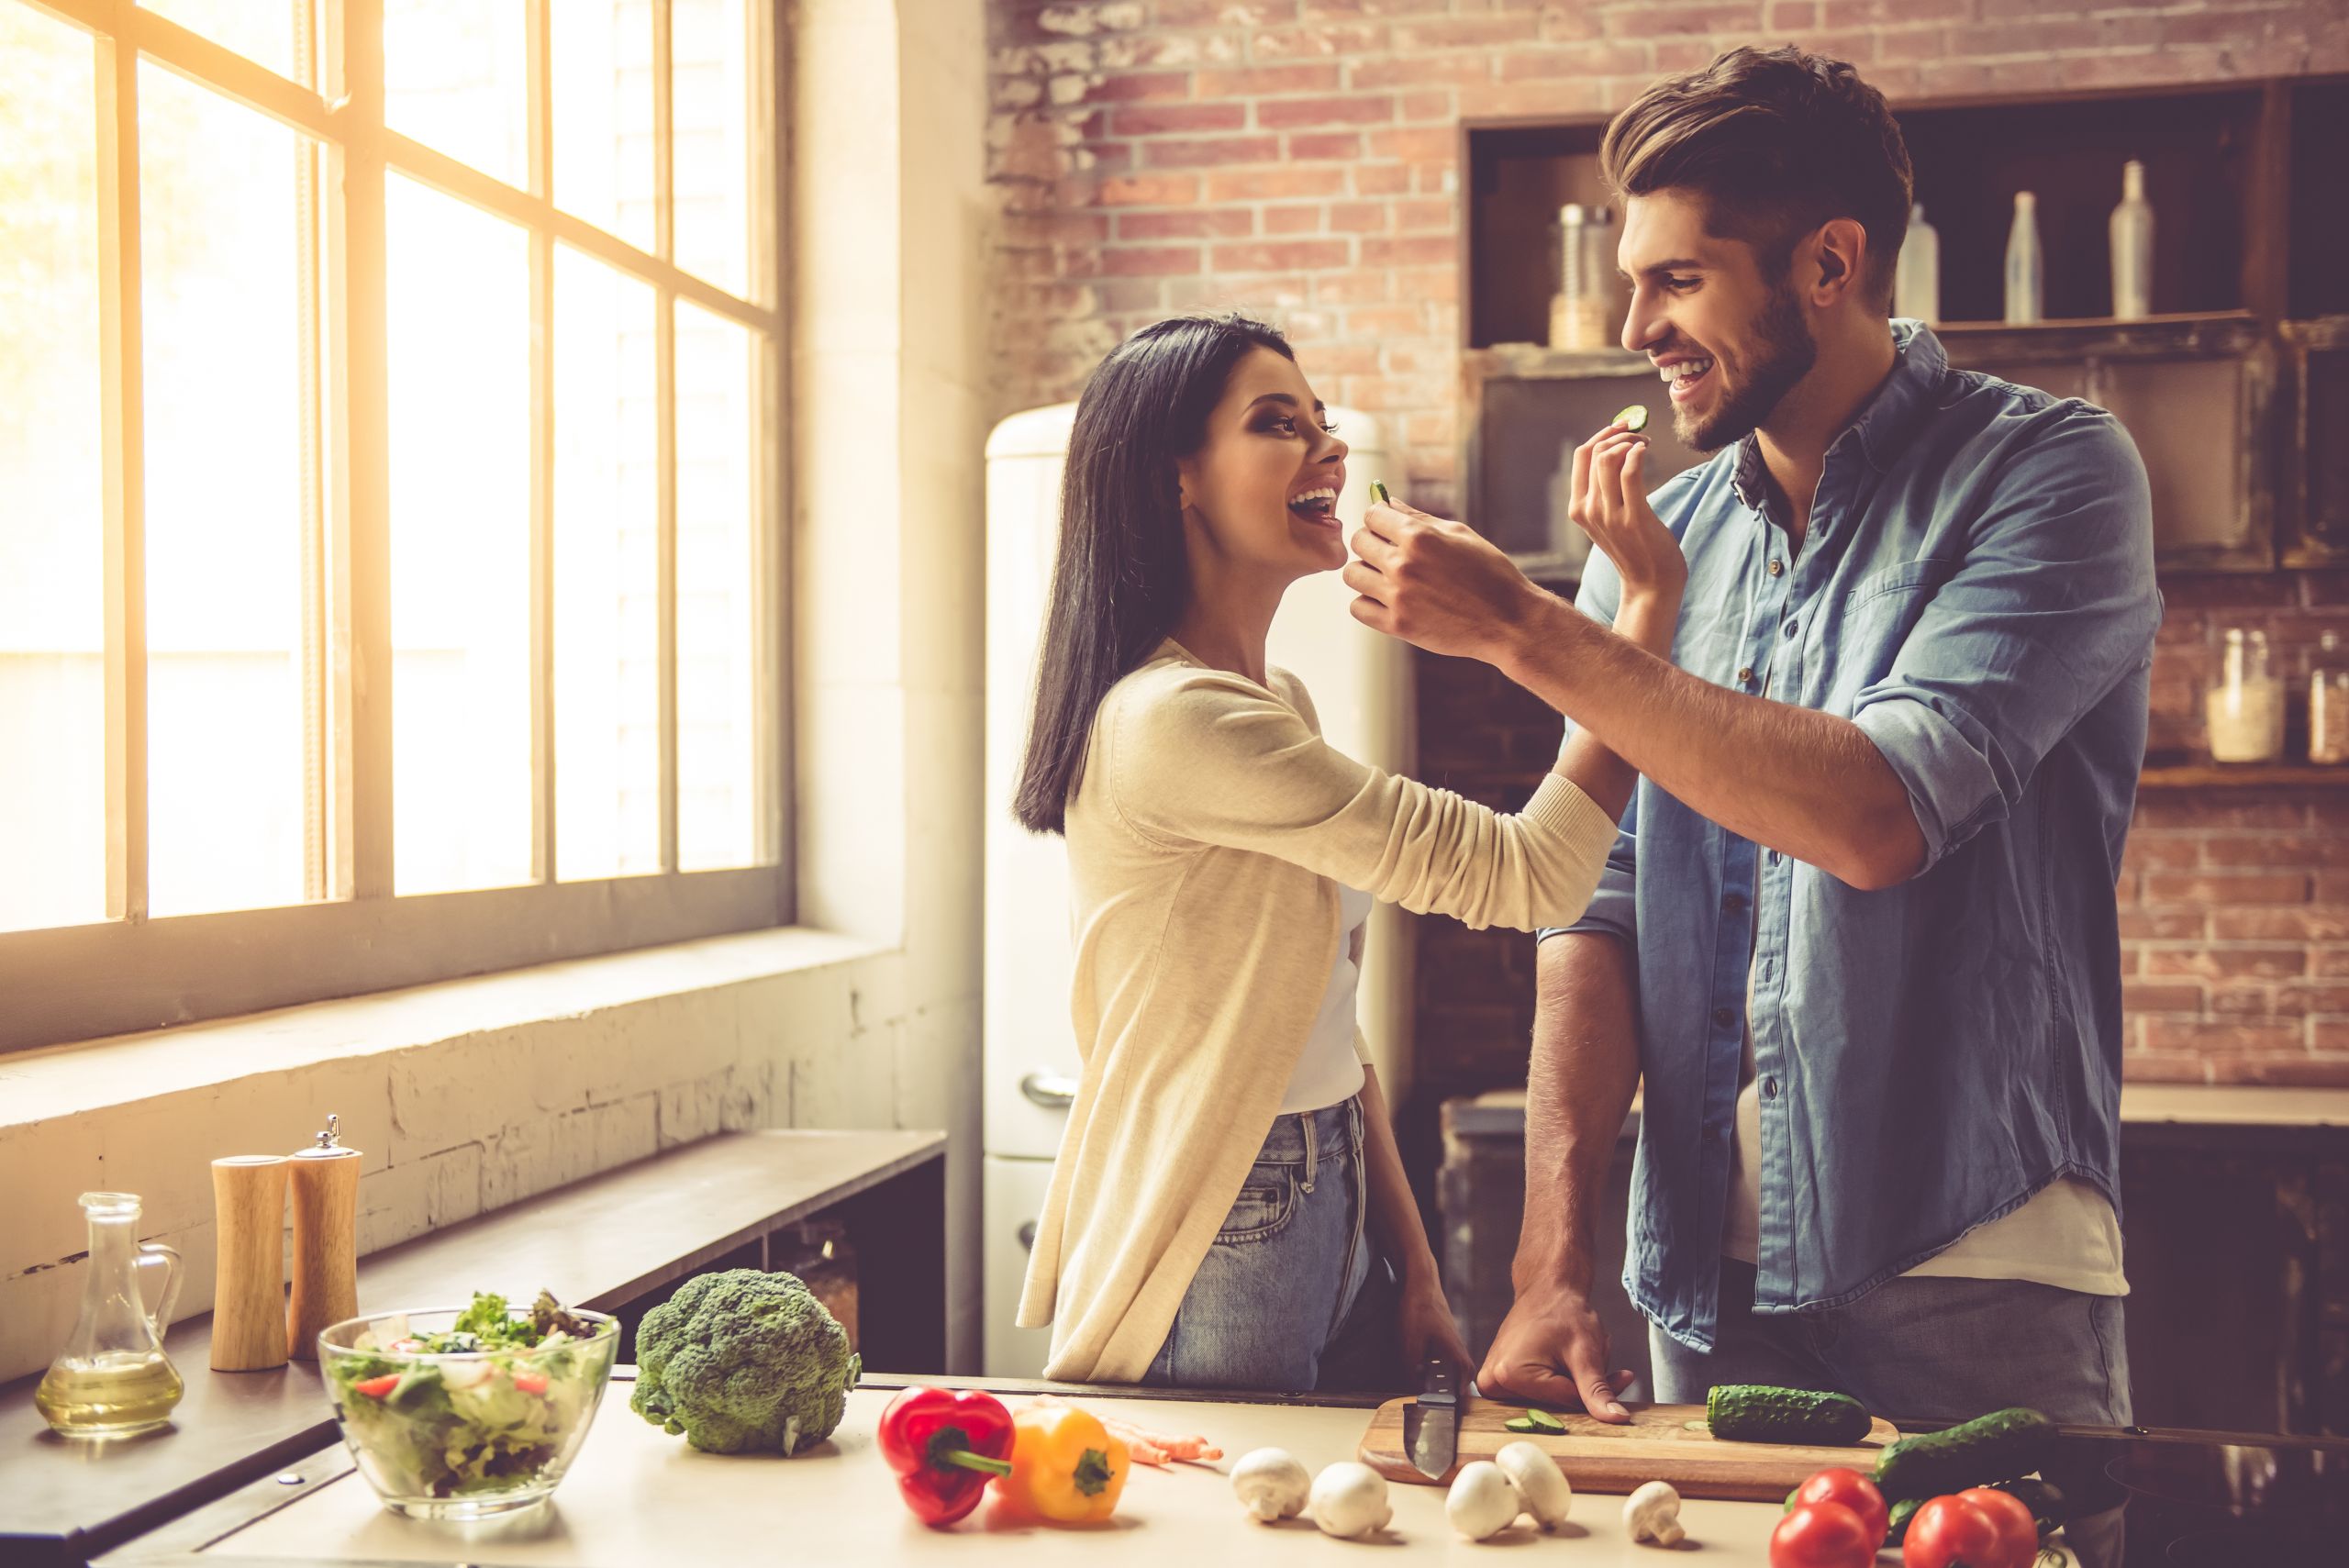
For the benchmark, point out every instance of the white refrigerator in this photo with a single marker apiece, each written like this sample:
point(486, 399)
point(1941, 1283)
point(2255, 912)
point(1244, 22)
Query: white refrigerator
point(1361, 683)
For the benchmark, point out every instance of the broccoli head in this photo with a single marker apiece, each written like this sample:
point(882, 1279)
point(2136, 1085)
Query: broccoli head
point(743, 1360)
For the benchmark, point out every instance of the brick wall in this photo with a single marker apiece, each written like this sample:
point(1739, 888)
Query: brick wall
point(1301, 157)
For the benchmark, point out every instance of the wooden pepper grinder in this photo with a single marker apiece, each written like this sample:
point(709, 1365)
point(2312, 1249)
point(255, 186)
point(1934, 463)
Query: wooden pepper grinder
point(325, 1179)
point(249, 1294)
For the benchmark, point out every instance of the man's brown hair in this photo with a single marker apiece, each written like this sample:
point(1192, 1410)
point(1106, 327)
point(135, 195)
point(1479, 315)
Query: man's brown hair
point(1777, 142)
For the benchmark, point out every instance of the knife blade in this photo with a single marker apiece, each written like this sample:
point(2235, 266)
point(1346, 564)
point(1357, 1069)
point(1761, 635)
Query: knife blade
point(1431, 1423)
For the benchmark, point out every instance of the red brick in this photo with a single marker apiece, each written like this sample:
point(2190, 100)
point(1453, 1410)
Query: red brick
point(1432, 251)
point(2152, 852)
point(1210, 153)
point(1361, 217)
point(1790, 17)
point(1308, 146)
point(2289, 1072)
point(1201, 223)
point(2329, 1034)
point(1575, 60)
point(1364, 285)
point(1149, 190)
point(2169, 999)
point(1558, 95)
point(1293, 255)
point(2197, 809)
point(2164, 1067)
point(2003, 39)
point(1463, 32)
point(1168, 119)
point(2301, 925)
point(2232, 1038)
point(1258, 294)
point(1381, 179)
point(1320, 42)
point(1139, 87)
point(1427, 213)
point(1266, 78)
point(2293, 1000)
point(2228, 963)
point(1385, 322)
point(1288, 114)
point(1416, 146)
point(1221, 13)
point(1873, 12)
point(2282, 850)
point(1659, 21)
point(1299, 219)
point(2331, 963)
point(1435, 285)
point(1435, 103)
point(1153, 260)
point(2225, 887)
point(1470, 70)
point(1276, 185)
point(2171, 924)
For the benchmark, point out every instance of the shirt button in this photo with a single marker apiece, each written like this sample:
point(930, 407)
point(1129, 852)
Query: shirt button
point(1769, 1088)
point(1776, 567)
point(1774, 856)
point(1723, 1016)
point(1791, 628)
point(1745, 677)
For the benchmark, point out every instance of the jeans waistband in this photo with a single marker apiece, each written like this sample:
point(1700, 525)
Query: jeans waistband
point(1307, 1138)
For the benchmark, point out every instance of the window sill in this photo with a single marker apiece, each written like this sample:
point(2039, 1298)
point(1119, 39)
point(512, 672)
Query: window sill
point(121, 1070)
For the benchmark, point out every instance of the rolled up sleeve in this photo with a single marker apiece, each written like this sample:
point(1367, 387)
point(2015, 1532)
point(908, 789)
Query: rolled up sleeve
point(2053, 605)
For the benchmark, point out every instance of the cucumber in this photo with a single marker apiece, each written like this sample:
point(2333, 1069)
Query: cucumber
point(1536, 1421)
point(1635, 418)
point(1993, 1448)
point(2043, 1498)
point(1895, 1524)
point(1754, 1413)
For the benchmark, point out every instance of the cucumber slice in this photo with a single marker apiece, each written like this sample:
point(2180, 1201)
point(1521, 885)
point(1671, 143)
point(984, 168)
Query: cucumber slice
point(1635, 418)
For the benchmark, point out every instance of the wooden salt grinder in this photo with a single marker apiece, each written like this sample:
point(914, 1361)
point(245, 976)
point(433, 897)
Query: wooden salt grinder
point(325, 1179)
point(249, 1294)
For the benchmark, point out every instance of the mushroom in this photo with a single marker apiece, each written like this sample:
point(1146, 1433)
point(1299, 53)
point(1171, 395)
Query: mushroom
point(1349, 1499)
point(1271, 1484)
point(1548, 1495)
point(1483, 1501)
point(1652, 1514)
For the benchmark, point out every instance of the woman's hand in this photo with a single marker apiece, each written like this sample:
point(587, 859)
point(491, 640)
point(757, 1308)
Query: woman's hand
point(1610, 501)
point(1428, 1330)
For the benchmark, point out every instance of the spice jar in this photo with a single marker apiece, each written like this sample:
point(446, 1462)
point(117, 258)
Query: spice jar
point(2329, 701)
point(2243, 708)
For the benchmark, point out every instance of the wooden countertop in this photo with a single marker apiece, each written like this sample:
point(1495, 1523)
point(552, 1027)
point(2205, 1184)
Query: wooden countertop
point(595, 1243)
point(638, 1495)
point(1500, 1112)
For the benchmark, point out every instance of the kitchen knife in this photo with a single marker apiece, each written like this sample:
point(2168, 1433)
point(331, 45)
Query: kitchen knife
point(1431, 1422)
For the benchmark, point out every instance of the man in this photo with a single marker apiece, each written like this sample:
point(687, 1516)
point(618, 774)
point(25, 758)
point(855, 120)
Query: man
point(1858, 935)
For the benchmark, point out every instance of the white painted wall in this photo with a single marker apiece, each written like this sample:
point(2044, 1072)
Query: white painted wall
point(471, 1096)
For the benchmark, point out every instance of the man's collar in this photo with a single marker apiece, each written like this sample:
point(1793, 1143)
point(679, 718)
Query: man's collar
point(1885, 421)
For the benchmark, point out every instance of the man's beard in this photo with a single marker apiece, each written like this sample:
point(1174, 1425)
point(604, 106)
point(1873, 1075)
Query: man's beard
point(1783, 353)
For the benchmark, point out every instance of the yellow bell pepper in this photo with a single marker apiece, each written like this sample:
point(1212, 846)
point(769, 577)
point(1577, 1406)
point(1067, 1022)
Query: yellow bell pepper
point(1065, 1467)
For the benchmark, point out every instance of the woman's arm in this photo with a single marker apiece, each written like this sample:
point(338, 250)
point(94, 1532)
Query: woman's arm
point(1428, 1329)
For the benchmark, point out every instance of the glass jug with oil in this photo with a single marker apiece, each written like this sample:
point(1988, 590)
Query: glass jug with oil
point(113, 1378)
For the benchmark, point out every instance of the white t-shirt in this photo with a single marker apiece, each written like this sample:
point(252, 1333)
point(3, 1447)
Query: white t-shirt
point(1329, 1070)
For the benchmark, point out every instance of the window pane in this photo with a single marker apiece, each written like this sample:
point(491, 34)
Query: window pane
point(52, 527)
point(602, 65)
point(280, 34)
point(460, 292)
point(607, 574)
point(456, 78)
point(717, 569)
point(222, 290)
point(709, 50)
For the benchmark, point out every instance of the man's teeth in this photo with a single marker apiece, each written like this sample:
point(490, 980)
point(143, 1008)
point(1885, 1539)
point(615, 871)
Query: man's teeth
point(1314, 498)
point(1684, 370)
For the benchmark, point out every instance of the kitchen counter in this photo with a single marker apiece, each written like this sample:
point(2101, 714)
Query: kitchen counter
point(602, 1243)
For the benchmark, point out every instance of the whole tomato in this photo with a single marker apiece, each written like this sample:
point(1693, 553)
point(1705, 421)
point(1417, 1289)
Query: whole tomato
point(2010, 1517)
point(1852, 1489)
point(1821, 1535)
point(1950, 1532)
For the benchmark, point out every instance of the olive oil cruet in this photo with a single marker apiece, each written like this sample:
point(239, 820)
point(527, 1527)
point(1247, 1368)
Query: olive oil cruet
point(113, 1379)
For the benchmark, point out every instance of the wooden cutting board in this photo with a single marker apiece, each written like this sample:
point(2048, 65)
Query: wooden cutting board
point(1658, 1445)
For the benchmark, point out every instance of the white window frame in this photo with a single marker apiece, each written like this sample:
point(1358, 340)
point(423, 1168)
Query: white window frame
point(131, 971)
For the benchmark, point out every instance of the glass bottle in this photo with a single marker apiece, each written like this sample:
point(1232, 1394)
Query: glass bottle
point(2244, 705)
point(1917, 276)
point(113, 1378)
point(2329, 702)
point(2132, 248)
point(1578, 310)
point(2024, 272)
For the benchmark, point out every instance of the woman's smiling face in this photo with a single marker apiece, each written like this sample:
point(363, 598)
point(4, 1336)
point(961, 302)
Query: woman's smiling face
point(1262, 488)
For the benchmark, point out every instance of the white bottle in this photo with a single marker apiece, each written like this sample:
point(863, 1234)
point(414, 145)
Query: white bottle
point(1916, 278)
point(2132, 248)
point(2023, 271)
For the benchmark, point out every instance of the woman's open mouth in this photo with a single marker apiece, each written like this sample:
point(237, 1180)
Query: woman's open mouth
point(1686, 378)
point(1318, 506)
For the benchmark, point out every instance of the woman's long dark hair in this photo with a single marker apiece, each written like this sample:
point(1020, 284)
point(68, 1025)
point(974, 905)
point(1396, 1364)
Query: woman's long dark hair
point(1121, 577)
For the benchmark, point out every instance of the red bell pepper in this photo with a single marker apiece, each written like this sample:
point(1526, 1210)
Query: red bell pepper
point(945, 1445)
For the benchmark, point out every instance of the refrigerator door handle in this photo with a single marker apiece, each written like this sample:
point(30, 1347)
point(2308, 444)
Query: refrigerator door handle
point(1050, 1090)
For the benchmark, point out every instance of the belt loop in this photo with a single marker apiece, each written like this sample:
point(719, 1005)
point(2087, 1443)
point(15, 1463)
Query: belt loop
point(1306, 1122)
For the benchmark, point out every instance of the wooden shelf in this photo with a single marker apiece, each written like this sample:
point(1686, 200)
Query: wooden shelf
point(2245, 775)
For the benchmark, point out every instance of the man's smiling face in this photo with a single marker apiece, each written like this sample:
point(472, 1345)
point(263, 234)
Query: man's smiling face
point(1730, 340)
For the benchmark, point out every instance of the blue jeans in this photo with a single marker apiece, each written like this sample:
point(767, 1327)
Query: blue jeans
point(1277, 1291)
point(1919, 1348)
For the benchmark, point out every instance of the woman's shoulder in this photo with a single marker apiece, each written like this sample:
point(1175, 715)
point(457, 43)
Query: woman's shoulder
point(1167, 687)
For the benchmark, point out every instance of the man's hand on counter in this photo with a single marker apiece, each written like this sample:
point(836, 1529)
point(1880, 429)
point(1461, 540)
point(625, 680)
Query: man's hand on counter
point(1552, 1351)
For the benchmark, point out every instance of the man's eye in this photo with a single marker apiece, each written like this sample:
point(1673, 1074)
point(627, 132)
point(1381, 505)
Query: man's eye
point(1679, 285)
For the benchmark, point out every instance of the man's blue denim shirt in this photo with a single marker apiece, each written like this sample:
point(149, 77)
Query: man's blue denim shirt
point(1975, 591)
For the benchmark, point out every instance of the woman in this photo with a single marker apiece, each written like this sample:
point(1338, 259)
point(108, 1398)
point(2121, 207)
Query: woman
point(1229, 1144)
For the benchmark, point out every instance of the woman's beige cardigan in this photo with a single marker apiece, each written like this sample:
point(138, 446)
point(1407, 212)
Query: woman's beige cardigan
point(1206, 842)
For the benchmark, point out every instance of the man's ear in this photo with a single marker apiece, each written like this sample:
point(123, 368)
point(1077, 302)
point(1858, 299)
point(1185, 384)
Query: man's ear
point(1840, 252)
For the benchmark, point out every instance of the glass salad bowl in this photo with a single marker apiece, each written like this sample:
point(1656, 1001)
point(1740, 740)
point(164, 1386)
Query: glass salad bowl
point(462, 1413)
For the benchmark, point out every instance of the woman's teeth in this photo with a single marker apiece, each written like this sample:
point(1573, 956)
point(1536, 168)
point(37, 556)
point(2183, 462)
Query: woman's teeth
point(1315, 503)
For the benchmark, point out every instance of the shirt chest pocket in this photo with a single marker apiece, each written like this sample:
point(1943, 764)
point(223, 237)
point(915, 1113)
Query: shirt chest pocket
point(1880, 614)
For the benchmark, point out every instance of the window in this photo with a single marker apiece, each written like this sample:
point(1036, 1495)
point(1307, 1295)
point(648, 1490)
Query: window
point(391, 569)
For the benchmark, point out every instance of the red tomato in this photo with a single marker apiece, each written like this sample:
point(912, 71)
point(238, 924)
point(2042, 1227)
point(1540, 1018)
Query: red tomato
point(1950, 1532)
point(1854, 1490)
point(376, 1387)
point(1821, 1535)
point(536, 1383)
point(2010, 1517)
